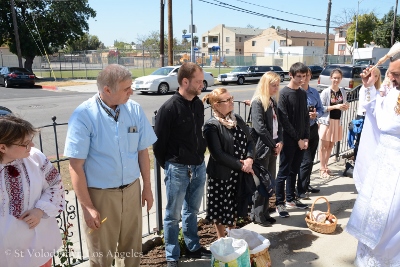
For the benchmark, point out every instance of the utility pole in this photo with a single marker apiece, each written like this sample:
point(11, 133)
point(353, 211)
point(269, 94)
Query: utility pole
point(328, 20)
point(170, 35)
point(394, 24)
point(162, 32)
point(17, 42)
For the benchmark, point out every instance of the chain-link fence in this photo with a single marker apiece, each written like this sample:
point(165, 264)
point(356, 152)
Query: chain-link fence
point(87, 64)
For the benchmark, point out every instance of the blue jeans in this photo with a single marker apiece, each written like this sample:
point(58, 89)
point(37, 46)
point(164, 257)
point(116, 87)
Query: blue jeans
point(183, 197)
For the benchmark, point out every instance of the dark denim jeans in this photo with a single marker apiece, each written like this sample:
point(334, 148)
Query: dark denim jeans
point(308, 161)
point(289, 163)
point(183, 197)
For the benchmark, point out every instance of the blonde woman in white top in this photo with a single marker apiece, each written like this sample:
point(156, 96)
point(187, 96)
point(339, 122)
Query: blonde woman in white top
point(368, 92)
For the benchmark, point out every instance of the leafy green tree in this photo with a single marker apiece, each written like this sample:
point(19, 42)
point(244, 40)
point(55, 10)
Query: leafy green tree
point(85, 42)
point(383, 32)
point(44, 26)
point(152, 41)
point(366, 25)
point(122, 45)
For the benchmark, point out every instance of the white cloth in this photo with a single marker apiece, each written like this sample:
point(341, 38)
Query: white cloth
point(38, 185)
point(368, 143)
point(375, 217)
point(365, 95)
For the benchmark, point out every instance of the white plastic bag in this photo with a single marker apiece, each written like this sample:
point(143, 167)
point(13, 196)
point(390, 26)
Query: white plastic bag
point(230, 252)
point(256, 242)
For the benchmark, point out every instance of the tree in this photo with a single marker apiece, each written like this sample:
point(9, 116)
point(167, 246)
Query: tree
point(382, 33)
point(122, 45)
point(366, 25)
point(44, 26)
point(85, 42)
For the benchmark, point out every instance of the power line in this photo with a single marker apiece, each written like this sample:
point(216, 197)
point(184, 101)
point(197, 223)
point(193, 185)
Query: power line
point(280, 10)
point(232, 7)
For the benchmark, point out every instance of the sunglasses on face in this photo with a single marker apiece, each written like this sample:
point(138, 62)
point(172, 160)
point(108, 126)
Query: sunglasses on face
point(226, 100)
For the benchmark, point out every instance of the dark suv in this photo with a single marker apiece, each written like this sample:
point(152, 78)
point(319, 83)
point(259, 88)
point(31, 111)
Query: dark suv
point(351, 76)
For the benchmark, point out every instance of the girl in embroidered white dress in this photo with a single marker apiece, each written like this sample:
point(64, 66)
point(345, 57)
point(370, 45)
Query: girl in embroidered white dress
point(374, 220)
point(31, 196)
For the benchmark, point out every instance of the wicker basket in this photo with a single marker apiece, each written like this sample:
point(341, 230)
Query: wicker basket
point(260, 259)
point(322, 228)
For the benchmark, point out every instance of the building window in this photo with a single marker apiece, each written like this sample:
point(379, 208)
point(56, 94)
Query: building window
point(240, 39)
point(227, 51)
point(342, 47)
point(227, 39)
point(342, 33)
point(282, 42)
point(214, 39)
point(240, 51)
point(253, 43)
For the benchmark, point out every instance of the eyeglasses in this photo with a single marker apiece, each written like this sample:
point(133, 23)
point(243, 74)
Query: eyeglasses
point(227, 100)
point(25, 145)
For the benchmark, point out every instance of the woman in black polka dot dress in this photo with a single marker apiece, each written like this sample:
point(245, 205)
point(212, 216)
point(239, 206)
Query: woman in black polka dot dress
point(232, 151)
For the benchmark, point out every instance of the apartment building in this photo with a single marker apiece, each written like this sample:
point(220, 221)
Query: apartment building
point(230, 40)
point(270, 39)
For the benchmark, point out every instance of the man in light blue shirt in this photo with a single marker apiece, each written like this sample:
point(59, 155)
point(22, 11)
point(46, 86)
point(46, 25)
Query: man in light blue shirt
point(107, 140)
point(315, 108)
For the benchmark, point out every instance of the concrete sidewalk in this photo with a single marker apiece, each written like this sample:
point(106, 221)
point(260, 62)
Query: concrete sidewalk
point(294, 244)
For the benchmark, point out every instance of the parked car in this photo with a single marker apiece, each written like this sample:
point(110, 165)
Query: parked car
point(10, 76)
point(315, 70)
point(4, 111)
point(165, 79)
point(383, 72)
point(351, 76)
point(242, 74)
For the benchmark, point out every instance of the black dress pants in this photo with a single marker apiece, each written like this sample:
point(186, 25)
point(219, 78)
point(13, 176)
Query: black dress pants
point(307, 163)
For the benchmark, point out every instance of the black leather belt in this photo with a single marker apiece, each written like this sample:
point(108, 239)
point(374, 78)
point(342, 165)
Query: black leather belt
point(121, 187)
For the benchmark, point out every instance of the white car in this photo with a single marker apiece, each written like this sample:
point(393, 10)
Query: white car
point(165, 79)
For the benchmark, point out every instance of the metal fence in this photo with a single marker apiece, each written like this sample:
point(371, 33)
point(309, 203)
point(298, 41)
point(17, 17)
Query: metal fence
point(74, 250)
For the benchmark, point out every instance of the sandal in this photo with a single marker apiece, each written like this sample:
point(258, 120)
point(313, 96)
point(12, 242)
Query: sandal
point(323, 174)
point(328, 171)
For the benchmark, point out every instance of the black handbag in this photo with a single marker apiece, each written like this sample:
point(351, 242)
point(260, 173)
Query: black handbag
point(261, 148)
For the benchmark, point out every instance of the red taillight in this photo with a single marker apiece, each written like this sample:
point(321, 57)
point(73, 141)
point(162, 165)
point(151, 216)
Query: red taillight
point(12, 75)
point(351, 84)
point(319, 80)
point(31, 76)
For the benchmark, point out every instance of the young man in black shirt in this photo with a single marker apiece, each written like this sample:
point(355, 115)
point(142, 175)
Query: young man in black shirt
point(294, 116)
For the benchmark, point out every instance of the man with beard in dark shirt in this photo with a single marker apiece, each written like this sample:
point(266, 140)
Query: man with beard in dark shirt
point(294, 116)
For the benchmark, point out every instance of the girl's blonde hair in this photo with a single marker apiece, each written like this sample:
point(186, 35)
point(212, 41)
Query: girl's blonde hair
point(262, 90)
point(378, 82)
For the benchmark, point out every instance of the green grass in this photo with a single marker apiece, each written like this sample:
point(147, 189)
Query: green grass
point(92, 74)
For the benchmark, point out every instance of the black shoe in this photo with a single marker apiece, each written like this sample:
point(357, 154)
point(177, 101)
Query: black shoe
point(172, 263)
point(304, 196)
point(313, 190)
point(270, 220)
point(264, 224)
point(201, 253)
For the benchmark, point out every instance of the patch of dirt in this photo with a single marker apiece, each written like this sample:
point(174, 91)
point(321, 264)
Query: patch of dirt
point(62, 83)
point(207, 234)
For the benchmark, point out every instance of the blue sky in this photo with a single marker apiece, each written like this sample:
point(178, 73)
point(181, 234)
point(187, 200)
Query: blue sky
point(128, 20)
